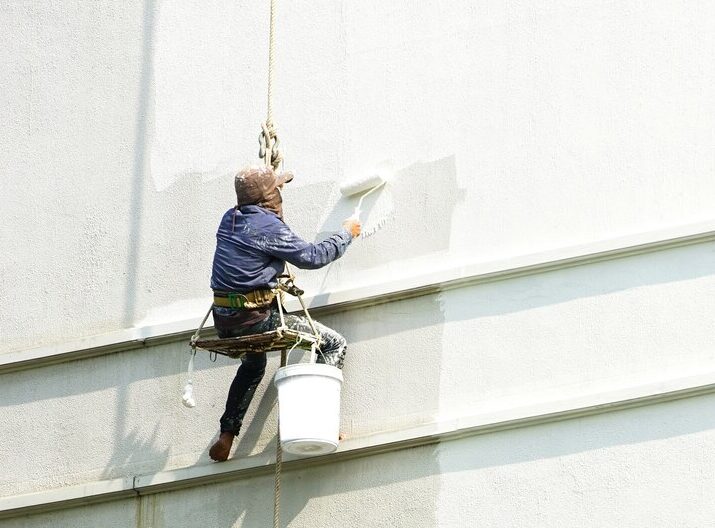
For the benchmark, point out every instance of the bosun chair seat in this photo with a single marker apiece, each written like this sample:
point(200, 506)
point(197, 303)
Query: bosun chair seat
point(234, 347)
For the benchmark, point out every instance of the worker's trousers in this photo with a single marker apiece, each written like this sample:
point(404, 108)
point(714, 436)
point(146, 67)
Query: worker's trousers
point(253, 366)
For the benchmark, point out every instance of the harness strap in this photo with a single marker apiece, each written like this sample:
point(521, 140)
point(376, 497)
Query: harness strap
point(248, 300)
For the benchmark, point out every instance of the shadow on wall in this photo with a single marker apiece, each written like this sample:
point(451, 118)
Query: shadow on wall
point(410, 217)
point(414, 211)
point(73, 428)
point(375, 477)
point(399, 488)
point(139, 180)
point(589, 280)
point(372, 373)
point(408, 472)
point(129, 448)
point(641, 425)
point(412, 193)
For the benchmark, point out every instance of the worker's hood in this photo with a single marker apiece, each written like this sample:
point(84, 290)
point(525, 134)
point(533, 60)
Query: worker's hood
point(260, 186)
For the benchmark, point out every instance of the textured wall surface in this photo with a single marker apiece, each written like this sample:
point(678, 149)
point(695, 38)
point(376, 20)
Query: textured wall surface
point(652, 466)
point(507, 129)
point(632, 469)
point(437, 357)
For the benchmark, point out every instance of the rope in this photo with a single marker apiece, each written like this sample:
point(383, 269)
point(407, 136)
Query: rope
point(302, 304)
point(283, 326)
point(188, 397)
point(310, 319)
point(268, 139)
point(271, 155)
point(279, 464)
point(298, 342)
point(269, 151)
point(271, 63)
point(277, 486)
point(195, 337)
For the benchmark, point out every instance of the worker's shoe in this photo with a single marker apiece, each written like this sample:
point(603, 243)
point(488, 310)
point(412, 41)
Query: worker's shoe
point(220, 450)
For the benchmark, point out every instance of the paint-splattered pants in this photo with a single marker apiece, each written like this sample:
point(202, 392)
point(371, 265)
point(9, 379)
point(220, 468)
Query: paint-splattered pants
point(253, 366)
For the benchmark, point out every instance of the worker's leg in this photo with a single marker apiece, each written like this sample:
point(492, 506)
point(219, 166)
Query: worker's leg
point(243, 387)
point(241, 392)
point(333, 346)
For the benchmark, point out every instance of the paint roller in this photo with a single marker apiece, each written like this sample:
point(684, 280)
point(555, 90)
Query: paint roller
point(363, 185)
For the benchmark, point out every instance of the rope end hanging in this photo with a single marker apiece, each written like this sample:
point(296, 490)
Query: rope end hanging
point(188, 397)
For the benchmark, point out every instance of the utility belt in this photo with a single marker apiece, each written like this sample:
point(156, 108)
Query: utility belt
point(244, 301)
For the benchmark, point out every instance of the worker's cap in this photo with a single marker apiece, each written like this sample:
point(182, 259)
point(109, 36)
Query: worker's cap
point(256, 184)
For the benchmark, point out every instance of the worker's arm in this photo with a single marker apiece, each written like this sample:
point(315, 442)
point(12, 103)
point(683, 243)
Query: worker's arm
point(283, 244)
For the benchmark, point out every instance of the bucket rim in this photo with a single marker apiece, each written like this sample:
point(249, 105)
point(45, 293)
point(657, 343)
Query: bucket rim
point(308, 369)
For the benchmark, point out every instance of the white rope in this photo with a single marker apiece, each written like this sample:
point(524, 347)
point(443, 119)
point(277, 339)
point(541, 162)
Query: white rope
point(188, 397)
point(269, 147)
point(271, 62)
point(268, 139)
point(297, 342)
point(310, 319)
point(277, 486)
point(279, 301)
point(279, 461)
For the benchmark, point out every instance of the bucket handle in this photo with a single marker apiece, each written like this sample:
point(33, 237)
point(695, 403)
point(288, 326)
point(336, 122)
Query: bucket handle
point(314, 351)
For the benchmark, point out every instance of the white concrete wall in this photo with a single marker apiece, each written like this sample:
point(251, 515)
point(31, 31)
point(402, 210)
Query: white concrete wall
point(631, 469)
point(509, 130)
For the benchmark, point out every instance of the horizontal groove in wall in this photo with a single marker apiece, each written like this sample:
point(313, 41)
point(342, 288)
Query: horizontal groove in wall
point(401, 288)
point(616, 398)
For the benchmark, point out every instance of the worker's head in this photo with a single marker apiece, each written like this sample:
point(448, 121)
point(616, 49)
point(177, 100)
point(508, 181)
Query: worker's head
point(260, 185)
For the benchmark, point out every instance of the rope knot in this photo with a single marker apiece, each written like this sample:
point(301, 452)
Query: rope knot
point(268, 141)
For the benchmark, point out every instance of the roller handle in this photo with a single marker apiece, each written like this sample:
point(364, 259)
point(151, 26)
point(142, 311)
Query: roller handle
point(358, 209)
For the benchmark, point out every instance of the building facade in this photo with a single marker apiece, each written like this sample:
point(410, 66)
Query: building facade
point(529, 309)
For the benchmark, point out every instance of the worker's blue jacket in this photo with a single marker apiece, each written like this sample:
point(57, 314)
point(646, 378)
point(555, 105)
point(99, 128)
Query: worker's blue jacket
point(253, 244)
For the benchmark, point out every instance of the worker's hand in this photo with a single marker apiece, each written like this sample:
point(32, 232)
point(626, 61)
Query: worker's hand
point(353, 225)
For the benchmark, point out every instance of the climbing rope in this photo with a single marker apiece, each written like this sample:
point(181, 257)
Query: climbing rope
point(279, 464)
point(271, 61)
point(269, 152)
point(268, 139)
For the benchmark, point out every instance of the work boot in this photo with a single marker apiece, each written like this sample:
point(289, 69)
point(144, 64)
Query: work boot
point(220, 450)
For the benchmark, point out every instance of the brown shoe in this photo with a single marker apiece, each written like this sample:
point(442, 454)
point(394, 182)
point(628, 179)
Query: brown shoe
point(220, 450)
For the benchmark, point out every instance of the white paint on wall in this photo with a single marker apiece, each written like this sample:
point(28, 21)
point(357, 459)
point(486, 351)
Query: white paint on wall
point(560, 126)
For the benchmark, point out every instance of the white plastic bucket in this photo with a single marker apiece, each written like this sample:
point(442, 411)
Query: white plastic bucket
point(309, 408)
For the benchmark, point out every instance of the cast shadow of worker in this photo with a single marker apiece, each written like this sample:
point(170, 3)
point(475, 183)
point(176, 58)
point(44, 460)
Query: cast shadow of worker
point(419, 198)
point(365, 368)
point(260, 420)
point(404, 202)
point(260, 423)
point(415, 480)
point(252, 430)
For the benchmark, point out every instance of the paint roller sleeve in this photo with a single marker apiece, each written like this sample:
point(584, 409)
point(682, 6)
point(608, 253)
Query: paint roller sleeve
point(362, 185)
point(359, 185)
